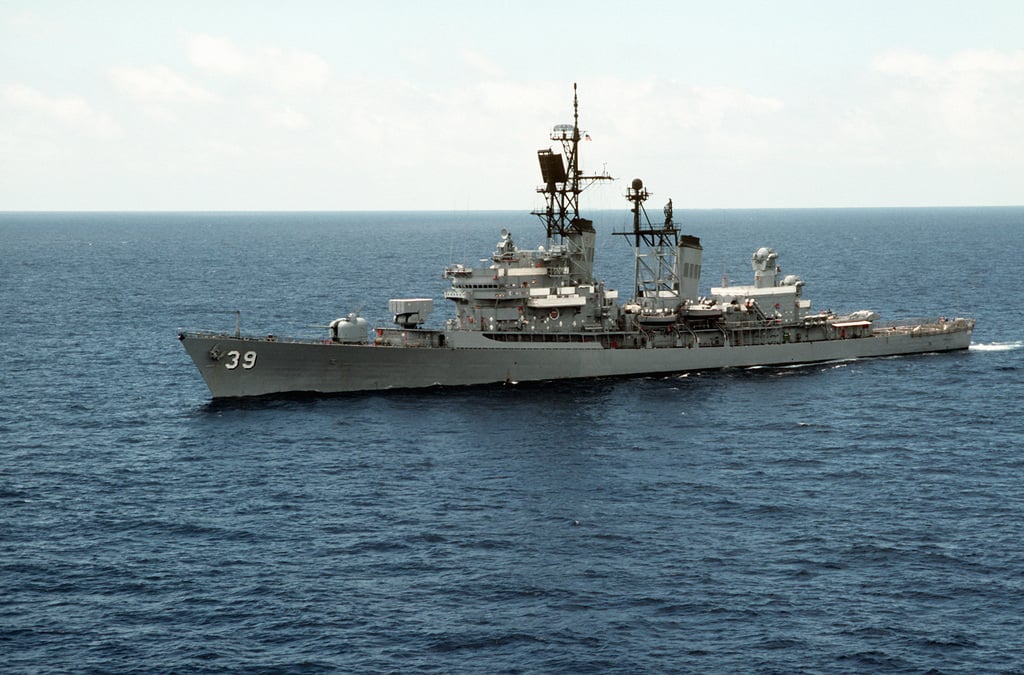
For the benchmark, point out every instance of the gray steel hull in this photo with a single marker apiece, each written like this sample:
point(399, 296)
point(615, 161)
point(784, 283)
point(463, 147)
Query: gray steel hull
point(239, 367)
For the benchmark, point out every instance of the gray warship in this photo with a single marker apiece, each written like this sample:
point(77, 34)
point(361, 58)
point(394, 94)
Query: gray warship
point(539, 314)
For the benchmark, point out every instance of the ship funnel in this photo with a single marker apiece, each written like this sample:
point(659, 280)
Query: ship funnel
point(689, 254)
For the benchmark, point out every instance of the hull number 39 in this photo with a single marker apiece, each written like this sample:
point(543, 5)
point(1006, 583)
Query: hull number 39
point(236, 358)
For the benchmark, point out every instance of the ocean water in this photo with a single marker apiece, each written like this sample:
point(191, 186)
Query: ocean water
point(865, 516)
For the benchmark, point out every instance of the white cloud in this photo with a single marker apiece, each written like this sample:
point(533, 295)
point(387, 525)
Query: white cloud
point(217, 54)
point(717, 101)
point(906, 64)
point(962, 110)
point(989, 61)
point(294, 69)
point(285, 69)
point(974, 62)
point(158, 83)
point(481, 64)
point(288, 118)
point(72, 111)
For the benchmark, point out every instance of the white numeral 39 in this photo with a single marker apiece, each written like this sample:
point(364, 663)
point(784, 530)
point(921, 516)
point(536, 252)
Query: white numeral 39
point(248, 360)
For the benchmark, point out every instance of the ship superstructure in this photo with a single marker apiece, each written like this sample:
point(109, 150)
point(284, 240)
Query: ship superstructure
point(539, 314)
point(550, 289)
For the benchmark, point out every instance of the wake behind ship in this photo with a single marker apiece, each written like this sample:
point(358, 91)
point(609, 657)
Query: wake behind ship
point(539, 314)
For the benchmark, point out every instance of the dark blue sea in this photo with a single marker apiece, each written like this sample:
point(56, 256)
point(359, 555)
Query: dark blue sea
point(864, 516)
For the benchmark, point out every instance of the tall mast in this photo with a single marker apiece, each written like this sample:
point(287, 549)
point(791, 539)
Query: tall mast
point(654, 248)
point(563, 181)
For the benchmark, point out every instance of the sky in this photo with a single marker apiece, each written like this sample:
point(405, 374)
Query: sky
point(398, 105)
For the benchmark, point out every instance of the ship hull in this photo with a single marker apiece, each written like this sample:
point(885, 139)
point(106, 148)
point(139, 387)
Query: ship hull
point(241, 367)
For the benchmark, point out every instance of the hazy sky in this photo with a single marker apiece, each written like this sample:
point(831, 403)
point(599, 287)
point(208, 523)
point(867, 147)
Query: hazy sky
point(336, 105)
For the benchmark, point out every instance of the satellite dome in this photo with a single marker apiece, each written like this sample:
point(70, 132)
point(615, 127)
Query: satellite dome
point(637, 184)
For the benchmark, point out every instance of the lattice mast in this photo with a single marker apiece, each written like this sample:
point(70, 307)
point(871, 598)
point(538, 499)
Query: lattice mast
point(563, 181)
point(654, 247)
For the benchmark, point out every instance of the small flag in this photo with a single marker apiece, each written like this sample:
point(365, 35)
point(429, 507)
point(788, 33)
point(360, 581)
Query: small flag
point(587, 137)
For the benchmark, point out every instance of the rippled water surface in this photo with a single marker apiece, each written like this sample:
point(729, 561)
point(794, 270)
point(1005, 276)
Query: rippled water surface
point(865, 516)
